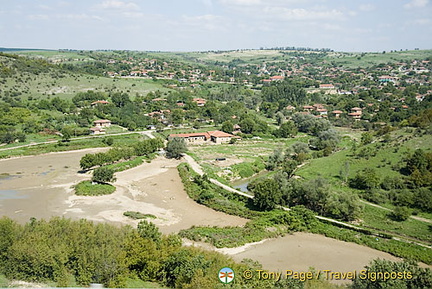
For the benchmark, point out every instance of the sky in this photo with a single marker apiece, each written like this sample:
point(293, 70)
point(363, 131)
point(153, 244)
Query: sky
point(202, 25)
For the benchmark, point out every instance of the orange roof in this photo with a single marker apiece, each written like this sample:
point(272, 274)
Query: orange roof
point(199, 99)
point(337, 111)
point(187, 135)
point(100, 101)
point(218, 133)
point(326, 85)
point(277, 77)
point(102, 121)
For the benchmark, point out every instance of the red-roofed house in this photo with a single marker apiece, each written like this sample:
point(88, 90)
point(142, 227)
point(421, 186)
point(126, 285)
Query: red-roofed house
point(218, 136)
point(102, 123)
point(355, 115)
point(326, 86)
point(199, 101)
point(337, 113)
point(97, 130)
point(202, 137)
point(318, 106)
point(322, 111)
point(198, 137)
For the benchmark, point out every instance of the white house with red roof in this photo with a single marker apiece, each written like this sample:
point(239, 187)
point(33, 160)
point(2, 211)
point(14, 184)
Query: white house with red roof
point(200, 101)
point(216, 136)
point(102, 123)
point(326, 86)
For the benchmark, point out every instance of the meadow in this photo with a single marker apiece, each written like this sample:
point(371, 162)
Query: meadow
point(387, 160)
point(364, 60)
point(73, 144)
point(68, 85)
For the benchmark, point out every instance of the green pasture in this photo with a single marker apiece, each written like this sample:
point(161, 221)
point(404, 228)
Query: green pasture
point(388, 155)
point(68, 85)
point(379, 219)
point(364, 60)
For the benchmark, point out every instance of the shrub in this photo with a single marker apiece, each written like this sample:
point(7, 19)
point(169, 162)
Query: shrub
point(138, 215)
point(103, 175)
point(175, 148)
point(400, 214)
point(87, 188)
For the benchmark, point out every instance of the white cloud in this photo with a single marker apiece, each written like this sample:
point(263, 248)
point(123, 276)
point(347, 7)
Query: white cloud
point(118, 5)
point(421, 21)
point(129, 14)
point(241, 2)
point(82, 16)
point(207, 3)
point(332, 27)
point(367, 7)
point(45, 7)
point(38, 17)
point(301, 14)
point(416, 4)
point(207, 17)
point(208, 21)
point(362, 30)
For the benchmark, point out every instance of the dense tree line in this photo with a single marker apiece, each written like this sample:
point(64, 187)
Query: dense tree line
point(283, 94)
point(314, 195)
point(72, 253)
point(141, 148)
point(385, 274)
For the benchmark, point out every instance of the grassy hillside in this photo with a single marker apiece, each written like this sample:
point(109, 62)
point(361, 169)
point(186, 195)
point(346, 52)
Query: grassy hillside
point(36, 78)
point(385, 160)
point(345, 59)
point(364, 60)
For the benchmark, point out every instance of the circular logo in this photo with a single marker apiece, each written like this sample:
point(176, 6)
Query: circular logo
point(226, 275)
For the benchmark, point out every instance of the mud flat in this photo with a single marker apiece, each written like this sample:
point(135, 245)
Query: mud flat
point(40, 186)
point(301, 251)
point(33, 186)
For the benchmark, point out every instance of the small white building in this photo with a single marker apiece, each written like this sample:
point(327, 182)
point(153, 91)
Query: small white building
point(102, 123)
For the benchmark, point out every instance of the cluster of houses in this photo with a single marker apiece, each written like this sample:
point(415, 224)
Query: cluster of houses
point(297, 66)
point(320, 111)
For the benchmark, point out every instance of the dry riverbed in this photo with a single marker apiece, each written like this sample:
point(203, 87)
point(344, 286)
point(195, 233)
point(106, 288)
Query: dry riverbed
point(40, 186)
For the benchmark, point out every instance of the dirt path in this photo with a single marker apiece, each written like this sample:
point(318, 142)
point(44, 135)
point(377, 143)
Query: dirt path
point(386, 209)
